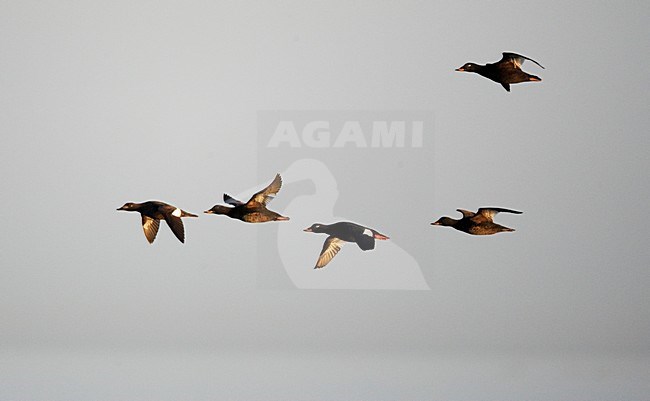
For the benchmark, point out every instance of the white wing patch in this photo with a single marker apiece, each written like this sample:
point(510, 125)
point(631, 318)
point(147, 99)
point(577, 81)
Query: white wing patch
point(177, 212)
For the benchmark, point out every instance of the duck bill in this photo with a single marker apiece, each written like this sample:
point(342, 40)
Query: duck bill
point(308, 230)
point(208, 212)
point(461, 69)
point(435, 223)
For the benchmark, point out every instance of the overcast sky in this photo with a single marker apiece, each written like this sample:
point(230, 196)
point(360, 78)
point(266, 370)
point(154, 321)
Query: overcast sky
point(107, 102)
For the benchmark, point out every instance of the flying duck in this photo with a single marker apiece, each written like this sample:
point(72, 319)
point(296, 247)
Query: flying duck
point(253, 211)
point(340, 233)
point(505, 71)
point(479, 223)
point(154, 211)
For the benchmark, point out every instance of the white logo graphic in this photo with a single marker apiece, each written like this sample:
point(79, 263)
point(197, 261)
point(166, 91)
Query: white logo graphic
point(319, 134)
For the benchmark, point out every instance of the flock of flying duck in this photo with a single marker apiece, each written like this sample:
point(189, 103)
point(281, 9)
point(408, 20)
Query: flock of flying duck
point(506, 71)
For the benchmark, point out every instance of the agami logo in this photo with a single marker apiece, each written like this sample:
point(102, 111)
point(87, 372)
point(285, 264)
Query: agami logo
point(348, 134)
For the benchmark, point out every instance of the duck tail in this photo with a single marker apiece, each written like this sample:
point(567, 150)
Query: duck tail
point(534, 78)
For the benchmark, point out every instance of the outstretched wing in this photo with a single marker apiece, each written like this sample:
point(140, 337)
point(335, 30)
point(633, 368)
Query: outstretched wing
point(466, 213)
point(267, 194)
point(176, 224)
point(150, 227)
point(331, 247)
point(232, 201)
point(518, 59)
point(490, 212)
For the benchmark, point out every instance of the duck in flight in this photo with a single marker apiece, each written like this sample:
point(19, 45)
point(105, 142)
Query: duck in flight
point(253, 211)
point(154, 211)
point(505, 71)
point(342, 232)
point(479, 223)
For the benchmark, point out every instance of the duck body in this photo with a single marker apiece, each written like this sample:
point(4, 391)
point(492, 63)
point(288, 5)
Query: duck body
point(340, 233)
point(255, 210)
point(249, 213)
point(154, 211)
point(505, 71)
point(479, 223)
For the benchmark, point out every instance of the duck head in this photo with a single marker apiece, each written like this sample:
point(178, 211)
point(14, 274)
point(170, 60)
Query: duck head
point(469, 67)
point(314, 228)
point(444, 221)
point(219, 209)
point(128, 206)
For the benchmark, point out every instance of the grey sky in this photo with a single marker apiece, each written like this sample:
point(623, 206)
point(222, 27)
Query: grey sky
point(103, 103)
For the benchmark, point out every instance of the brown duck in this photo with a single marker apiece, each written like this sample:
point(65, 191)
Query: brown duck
point(505, 71)
point(154, 211)
point(479, 223)
point(253, 211)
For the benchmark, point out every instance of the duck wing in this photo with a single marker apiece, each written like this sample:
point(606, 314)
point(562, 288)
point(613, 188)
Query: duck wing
point(267, 194)
point(489, 212)
point(176, 225)
point(466, 213)
point(232, 201)
point(517, 59)
point(150, 227)
point(366, 241)
point(331, 247)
